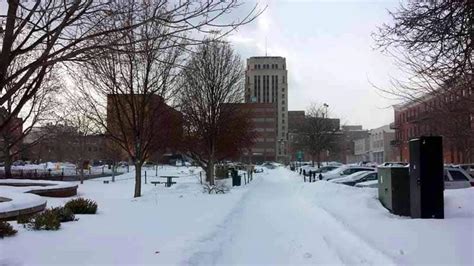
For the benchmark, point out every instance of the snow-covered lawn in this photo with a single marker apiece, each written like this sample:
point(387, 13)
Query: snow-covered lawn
point(276, 219)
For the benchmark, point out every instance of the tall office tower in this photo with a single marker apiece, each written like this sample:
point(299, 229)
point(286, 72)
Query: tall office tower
point(266, 82)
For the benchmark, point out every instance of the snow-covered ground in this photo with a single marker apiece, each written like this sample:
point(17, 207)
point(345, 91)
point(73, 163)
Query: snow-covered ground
point(65, 168)
point(276, 219)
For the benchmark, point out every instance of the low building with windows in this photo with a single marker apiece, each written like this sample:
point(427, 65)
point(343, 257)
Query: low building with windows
point(448, 113)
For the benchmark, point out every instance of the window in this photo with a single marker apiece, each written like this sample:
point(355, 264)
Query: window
point(457, 175)
point(282, 101)
point(283, 108)
point(283, 115)
point(372, 176)
point(282, 89)
point(284, 80)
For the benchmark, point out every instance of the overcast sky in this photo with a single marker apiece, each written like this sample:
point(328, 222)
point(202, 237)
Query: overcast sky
point(329, 53)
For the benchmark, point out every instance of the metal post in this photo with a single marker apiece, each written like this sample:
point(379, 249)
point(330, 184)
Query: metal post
point(156, 170)
point(200, 177)
point(145, 176)
point(113, 172)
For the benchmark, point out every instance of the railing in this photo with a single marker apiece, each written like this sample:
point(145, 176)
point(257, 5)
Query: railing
point(63, 174)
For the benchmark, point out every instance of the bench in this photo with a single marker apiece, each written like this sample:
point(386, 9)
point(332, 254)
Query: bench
point(158, 182)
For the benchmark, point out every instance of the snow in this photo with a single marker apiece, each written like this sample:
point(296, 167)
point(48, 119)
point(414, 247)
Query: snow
point(41, 184)
point(276, 219)
point(18, 201)
point(370, 183)
point(348, 178)
point(63, 167)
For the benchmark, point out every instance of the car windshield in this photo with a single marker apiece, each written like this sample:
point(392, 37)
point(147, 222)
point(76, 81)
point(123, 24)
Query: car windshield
point(357, 175)
point(457, 175)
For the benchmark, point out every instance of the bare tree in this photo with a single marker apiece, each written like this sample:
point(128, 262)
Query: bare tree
point(38, 110)
point(317, 133)
point(125, 90)
point(47, 33)
point(81, 128)
point(433, 43)
point(211, 87)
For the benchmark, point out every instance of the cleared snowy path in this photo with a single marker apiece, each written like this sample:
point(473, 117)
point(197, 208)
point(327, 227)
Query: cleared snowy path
point(274, 224)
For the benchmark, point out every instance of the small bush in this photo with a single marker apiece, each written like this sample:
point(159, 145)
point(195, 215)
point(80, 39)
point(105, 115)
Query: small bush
point(47, 220)
point(219, 188)
point(82, 206)
point(24, 218)
point(6, 229)
point(64, 214)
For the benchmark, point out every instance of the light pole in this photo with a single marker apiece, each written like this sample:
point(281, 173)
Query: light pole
point(326, 110)
point(281, 149)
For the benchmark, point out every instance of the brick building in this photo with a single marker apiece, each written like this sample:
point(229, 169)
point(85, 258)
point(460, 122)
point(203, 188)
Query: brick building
point(162, 122)
point(62, 143)
point(449, 115)
point(264, 117)
point(266, 82)
point(296, 120)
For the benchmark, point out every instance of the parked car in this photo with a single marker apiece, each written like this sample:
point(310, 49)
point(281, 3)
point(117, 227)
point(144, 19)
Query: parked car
point(344, 171)
point(469, 168)
point(122, 164)
point(367, 163)
point(457, 178)
point(394, 164)
point(269, 165)
point(18, 163)
point(371, 183)
point(356, 177)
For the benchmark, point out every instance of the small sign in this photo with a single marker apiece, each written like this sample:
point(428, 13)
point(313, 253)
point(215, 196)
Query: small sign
point(299, 155)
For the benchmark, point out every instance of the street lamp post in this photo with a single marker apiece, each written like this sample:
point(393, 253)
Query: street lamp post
point(325, 110)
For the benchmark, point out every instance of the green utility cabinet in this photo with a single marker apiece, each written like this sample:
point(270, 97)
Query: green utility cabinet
point(394, 189)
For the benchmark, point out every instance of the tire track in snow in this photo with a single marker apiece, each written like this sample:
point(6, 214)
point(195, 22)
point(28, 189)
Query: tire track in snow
point(273, 223)
point(351, 248)
point(210, 245)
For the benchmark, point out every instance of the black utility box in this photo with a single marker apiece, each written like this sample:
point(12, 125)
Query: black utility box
point(236, 179)
point(426, 177)
point(394, 189)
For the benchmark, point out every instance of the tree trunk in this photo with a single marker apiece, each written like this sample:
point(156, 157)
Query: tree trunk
point(82, 172)
point(138, 180)
point(211, 172)
point(319, 160)
point(8, 165)
point(113, 172)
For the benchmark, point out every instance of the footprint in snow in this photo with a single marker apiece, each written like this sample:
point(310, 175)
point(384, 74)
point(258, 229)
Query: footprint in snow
point(307, 255)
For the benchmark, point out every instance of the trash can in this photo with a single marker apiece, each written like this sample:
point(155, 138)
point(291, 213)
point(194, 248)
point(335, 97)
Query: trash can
point(236, 180)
